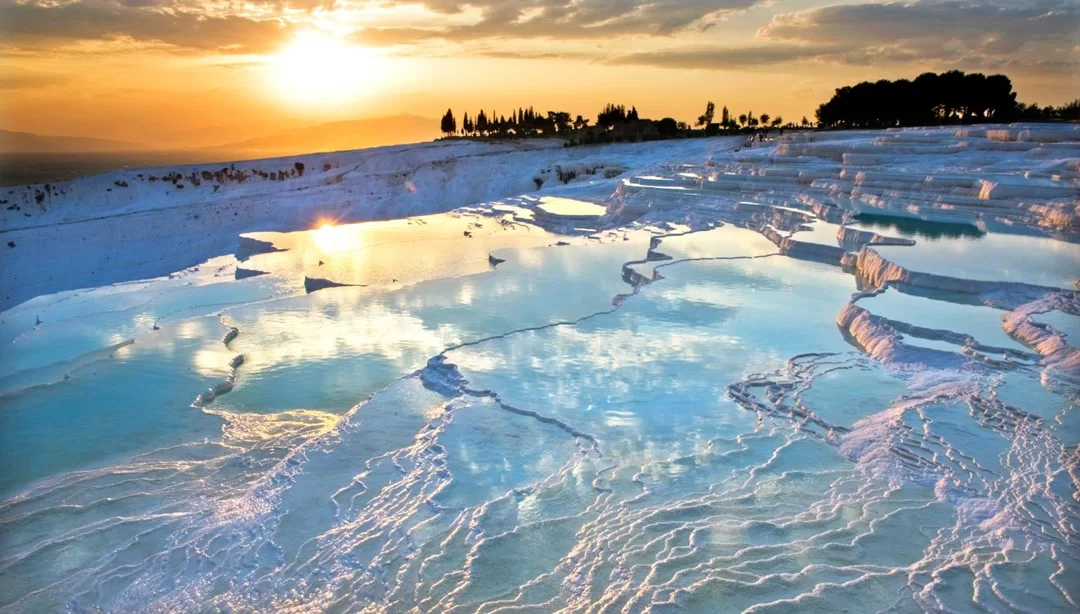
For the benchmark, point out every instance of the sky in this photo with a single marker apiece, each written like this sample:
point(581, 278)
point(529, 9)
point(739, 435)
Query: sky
point(179, 73)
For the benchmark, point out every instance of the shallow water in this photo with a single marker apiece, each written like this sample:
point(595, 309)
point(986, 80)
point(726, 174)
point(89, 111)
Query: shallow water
point(661, 417)
point(1027, 259)
point(570, 207)
point(1067, 323)
point(981, 323)
point(821, 233)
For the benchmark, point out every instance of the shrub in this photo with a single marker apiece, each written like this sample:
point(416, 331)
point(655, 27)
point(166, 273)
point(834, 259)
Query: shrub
point(668, 127)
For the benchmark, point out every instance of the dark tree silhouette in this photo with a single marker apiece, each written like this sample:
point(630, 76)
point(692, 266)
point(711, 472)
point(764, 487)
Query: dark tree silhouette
point(618, 123)
point(948, 98)
point(710, 111)
point(449, 124)
point(611, 115)
point(1067, 112)
point(560, 120)
point(667, 127)
point(952, 97)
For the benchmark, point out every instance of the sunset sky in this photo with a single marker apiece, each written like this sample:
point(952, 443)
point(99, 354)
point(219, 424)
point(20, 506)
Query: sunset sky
point(196, 72)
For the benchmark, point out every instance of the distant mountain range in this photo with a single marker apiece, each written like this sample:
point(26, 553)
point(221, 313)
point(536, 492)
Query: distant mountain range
point(333, 136)
point(26, 142)
point(342, 135)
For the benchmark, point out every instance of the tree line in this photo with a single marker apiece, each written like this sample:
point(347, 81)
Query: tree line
point(524, 123)
point(931, 99)
point(741, 122)
point(952, 97)
point(613, 122)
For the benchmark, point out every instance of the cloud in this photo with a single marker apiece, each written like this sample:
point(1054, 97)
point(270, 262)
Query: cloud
point(386, 37)
point(522, 55)
point(196, 25)
point(932, 27)
point(725, 58)
point(1041, 35)
point(570, 19)
point(1037, 35)
point(936, 30)
point(36, 24)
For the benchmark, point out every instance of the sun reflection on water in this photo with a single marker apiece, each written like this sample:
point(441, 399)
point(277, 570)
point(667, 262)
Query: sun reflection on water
point(335, 239)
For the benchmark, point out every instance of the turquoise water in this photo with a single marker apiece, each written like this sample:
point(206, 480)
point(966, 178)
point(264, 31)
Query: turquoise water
point(981, 323)
point(988, 257)
point(1068, 324)
point(548, 433)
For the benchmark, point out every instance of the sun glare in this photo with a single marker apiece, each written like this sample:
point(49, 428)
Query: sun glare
point(321, 69)
point(331, 239)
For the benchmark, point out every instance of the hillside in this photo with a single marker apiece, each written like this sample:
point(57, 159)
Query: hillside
point(341, 136)
point(27, 142)
point(143, 223)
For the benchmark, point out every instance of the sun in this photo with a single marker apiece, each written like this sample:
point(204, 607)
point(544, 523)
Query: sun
point(319, 69)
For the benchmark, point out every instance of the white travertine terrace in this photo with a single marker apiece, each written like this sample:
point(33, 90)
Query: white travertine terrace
point(827, 372)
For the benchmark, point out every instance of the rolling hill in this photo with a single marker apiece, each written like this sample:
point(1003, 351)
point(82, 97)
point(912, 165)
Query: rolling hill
point(27, 142)
point(341, 135)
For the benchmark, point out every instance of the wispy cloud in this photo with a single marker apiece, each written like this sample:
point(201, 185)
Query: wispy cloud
point(39, 24)
point(1038, 35)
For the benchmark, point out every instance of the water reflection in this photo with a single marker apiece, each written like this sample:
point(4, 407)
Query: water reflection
point(392, 253)
point(913, 227)
point(993, 257)
point(616, 442)
point(338, 345)
point(570, 207)
point(335, 239)
point(132, 400)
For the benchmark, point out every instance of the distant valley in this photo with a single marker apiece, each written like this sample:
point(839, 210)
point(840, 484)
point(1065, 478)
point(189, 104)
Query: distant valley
point(34, 158)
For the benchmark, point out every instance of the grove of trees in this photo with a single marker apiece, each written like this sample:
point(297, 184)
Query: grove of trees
point(522, 123)
point(952, 97)
point(526, 122)
point(1069, 111)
